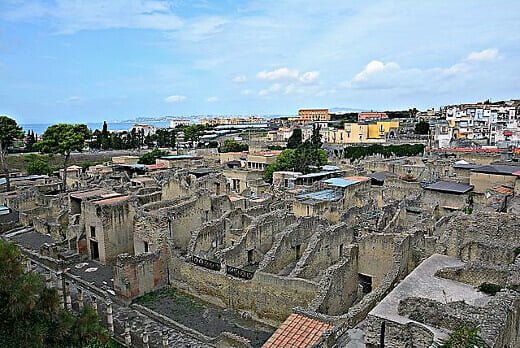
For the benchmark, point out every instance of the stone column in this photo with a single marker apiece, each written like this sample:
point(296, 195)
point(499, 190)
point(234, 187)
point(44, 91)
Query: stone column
point(110, 318)
point(80, 299)
point(94, 303)
point(28, 265)
point(145, 340)
point(165, 338)
point(59, 287)
point(68, 299)
point(128, 337)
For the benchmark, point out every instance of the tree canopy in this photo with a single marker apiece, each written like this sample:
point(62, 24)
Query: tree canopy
point(305, 158)
point(9, 131)
point(63, 139)
point(30, 314)
point(231, 145)
point(422, 127)
point(295, 139)
point(150, 157)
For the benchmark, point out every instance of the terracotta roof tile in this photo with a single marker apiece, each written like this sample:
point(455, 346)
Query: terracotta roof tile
point(298, 331)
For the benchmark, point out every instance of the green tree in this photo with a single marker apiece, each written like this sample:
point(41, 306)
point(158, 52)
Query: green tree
point(30, 140)
point(193, 132)
point(150, 157)
point(306, 158)
point(295, 139)
point(63, 139)
point(37, 165)
point(30, 314)
point(422, 127)
point(316, 136)
point(231, 145)
point(9, 131)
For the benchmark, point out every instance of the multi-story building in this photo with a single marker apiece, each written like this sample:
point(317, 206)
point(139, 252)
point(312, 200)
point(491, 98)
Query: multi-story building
point(373, 132)
point(312, 115)
point(179, 122)
point(371, 116)
point(495, 124)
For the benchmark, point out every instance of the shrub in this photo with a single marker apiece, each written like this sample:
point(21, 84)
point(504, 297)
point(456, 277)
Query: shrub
point(489, 288)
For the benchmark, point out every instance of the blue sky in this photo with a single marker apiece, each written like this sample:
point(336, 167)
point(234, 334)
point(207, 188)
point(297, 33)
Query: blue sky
point(91, 60)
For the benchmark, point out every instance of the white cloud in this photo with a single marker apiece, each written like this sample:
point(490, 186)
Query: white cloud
point(212, 99)
point(247, 92)
point(175, 99)
point(375, 67)
point(73, 99)
point(483, 56)
point(390, 75)
point(309, 76)
point(240, 78)
point(274, 88)
point(278, 74)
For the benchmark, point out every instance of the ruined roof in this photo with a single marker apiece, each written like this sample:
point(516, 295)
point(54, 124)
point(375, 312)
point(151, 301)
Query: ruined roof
point(297, 331)
point(155, 166)
point(87, 194)
point(381, 176)
point(346, 181)
point(111, 200)
point(504, 190)
point(318, 174)
point(328, 195)
point(449, 187)
point(497, 169)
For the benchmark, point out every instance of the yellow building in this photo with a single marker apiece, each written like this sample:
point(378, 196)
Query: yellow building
point(353, 133)
point(379, 129)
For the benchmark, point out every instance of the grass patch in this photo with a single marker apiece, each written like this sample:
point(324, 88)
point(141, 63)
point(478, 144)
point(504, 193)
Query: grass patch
point(489, 288)
point(465, 337)
point(184, 301)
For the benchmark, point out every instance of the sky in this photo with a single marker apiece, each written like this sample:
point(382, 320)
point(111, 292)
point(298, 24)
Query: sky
point(94, 60)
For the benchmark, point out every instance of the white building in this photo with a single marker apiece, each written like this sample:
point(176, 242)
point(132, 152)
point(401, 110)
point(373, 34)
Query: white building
point(174, 122)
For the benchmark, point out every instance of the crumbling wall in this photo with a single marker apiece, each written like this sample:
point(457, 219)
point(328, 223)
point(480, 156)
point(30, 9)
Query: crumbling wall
point(258, 237)
point(490, 237)
point(339, 286)
point(137, 275)
point(376, 256)
point(289, 245)
point(268, 297)
point(325, 249)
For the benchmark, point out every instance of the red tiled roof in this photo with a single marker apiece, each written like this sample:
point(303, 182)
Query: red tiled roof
point(298, 331)
point(517, 173)
point(504, 190)
point(155, 166)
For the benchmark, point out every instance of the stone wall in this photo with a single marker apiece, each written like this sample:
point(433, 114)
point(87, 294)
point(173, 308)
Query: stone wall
point(137, 275)
point(258, 237)
point(339, 286)
point(289, 245)
point(325, 249)
point(268, 297)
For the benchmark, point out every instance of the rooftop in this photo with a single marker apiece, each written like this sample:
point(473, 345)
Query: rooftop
point(497, 169)
point(449, 187)
point(346, 181)
point(328, 195)
point(111, 200)
point(298, 331)
point(88, 194)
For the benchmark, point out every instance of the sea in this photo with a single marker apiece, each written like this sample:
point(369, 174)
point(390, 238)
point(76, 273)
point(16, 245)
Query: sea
point(39, 128)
